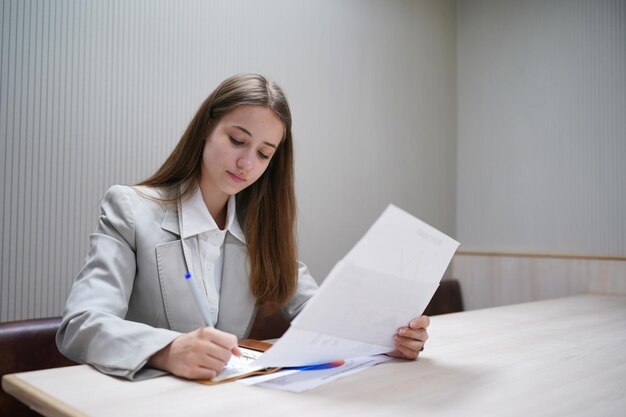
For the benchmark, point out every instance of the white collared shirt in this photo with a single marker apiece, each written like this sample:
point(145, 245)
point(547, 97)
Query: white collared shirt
point(198, 221)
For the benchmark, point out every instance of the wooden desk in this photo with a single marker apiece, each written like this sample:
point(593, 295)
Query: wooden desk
point(563, 357)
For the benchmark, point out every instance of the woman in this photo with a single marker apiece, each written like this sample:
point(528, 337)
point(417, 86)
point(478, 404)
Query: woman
point(222, 209)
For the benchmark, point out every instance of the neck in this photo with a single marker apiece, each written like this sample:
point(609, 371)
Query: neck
point(218, 211)
point(217, 204)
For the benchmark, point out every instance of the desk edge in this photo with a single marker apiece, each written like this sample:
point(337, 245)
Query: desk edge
point(37, 399)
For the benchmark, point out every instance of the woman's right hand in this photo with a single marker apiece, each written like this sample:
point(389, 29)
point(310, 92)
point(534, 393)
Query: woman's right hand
point(200, 354)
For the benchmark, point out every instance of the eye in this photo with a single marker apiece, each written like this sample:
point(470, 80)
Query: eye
point(264, 156)
point(235, 141)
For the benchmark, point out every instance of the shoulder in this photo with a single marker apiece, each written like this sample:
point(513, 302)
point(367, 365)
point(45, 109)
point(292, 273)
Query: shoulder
point(129, 204)
point(117, 192)
point(133, 212)
point(120, 191)
point(133, 196)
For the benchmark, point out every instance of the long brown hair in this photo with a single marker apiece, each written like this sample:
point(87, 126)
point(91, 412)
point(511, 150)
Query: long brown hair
point(267, 208)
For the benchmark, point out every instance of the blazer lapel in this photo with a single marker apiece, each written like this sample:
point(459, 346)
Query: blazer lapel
point(237, 304)
point(170, 220)
point(180, 308)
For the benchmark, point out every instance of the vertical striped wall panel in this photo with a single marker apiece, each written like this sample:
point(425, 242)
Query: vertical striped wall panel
point(94, 93)
point(70, 128)
point(542, 126)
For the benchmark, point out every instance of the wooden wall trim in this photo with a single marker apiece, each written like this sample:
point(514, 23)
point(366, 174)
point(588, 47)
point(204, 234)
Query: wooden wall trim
point(493, 279)
point(541, 255)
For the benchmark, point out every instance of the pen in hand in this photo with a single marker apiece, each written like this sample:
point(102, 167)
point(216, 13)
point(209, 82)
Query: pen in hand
point(195, 292)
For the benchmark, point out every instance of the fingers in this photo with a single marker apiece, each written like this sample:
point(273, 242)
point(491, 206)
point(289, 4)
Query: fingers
point(222, 339)
point(410, 346)
point(227, 341)
point(213, 348)
point(235, 351)
point(410, 340)
point(200, 354)
point(407, 353)
point(216, 343)
point(421, 322)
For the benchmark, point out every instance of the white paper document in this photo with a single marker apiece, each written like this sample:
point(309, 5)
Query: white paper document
point(306, 379)
point(387, 279)
point(238, 366)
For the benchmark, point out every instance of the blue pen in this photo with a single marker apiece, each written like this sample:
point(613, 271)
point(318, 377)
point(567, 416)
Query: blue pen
point(205, 314)
point(196, 296)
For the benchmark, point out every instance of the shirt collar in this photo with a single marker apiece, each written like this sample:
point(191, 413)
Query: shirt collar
point(197, 219)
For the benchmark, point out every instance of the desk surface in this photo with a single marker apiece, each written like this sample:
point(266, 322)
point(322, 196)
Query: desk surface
point(562, 357)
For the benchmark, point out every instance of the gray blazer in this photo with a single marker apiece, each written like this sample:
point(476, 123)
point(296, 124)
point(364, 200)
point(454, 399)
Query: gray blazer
point(131, 299)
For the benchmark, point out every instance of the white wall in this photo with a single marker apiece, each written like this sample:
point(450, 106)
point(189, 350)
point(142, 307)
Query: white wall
point(542, 126)
point(541, 149)
point(94, 93)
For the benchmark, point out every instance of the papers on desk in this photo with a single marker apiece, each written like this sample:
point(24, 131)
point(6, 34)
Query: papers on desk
point(306, 378)
point(240, 367)
point(387, 279)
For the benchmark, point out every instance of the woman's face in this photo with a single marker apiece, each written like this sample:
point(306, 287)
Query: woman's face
point(239, 150)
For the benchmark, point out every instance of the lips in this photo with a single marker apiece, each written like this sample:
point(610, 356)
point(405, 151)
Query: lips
point(235, 177)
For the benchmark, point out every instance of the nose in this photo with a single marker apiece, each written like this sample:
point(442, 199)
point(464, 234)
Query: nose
point(244, 163)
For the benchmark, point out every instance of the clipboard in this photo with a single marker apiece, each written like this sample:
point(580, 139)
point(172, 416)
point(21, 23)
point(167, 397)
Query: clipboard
point(237, 367)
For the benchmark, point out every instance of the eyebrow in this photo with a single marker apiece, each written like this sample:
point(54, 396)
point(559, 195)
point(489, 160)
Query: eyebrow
point(247, 132)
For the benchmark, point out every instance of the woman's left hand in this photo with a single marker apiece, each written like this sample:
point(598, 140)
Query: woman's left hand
point(410, 340)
